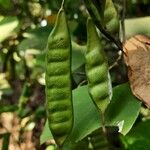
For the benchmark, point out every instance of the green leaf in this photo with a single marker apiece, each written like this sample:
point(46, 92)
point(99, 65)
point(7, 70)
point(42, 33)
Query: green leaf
point(46, 134)
point(8, 108)
point(137, 26)
point(5, 4)
point(77, 59)
point(138, 137)
point(35, 39)
point(123, 109)
point(8, 27)
point(86, 116)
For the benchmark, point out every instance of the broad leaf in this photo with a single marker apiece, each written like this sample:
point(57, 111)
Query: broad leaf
point(138, 138)
point(6, 4)
point(78, 58)
point(8, 27)
point(86, 116)
point(124, 108)
point(8, 108)
point(137, 26)
point(35, 39)
point(123, 111)
point(46, 134)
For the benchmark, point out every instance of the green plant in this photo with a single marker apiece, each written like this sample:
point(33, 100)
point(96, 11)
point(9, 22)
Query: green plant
point(25, 26)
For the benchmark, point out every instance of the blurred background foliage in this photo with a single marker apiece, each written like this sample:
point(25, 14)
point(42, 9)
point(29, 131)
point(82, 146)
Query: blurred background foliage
point(24, 29)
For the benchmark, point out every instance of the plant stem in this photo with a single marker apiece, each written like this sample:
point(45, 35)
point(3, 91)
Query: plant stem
point(62, 4)
point(103, 123)
point(117, 61)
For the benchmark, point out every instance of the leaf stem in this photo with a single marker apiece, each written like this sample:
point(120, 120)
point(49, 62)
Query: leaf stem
point(117, 61)
point(103, 123)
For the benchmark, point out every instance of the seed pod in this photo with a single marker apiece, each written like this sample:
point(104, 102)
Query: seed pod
point(97, 69)
point(111, 17)
point(58, 80)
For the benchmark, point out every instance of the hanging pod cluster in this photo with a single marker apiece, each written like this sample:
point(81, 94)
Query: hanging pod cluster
point(58, 80)
point(58, 76)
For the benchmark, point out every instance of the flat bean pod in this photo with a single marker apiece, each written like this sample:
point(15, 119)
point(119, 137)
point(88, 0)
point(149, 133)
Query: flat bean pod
point(97, 69)
point(58, 80)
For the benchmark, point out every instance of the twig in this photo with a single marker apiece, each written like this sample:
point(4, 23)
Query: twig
point(116, 62)
point(62, 4)
point(103, 123)
point(82, 83)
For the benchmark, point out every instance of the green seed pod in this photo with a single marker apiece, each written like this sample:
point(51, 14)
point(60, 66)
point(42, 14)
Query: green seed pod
point(97, 69)
point(111, 17)
point(58, 80)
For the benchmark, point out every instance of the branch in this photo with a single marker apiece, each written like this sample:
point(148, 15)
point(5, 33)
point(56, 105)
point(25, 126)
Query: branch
point(116, 63)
